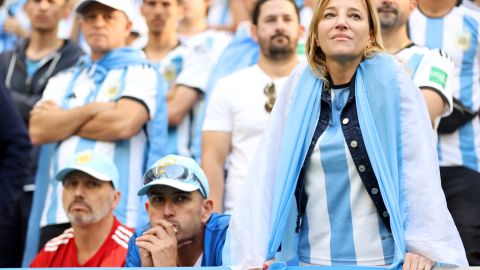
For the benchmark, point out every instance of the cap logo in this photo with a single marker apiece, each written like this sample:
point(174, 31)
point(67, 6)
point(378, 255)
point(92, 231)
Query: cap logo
point(84, 158)
point(165, 163)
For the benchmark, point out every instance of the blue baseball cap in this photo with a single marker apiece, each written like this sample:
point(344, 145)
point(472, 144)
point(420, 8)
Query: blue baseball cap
point(93, 164)
point(179, 172)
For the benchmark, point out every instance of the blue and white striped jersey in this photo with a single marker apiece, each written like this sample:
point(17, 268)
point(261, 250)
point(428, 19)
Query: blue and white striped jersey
point(219, 13)
point(213, 43)
point(432, 69)
point(135, 82)
point(172, 68)
point(457, 33)
point(190, 64)
point(346, 227)
point(12, 8)
point(209, 41)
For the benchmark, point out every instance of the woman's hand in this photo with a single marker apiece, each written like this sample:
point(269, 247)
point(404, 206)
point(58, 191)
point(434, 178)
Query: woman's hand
point(416, 262)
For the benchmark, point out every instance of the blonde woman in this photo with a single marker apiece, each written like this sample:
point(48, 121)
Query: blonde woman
point(346, 173)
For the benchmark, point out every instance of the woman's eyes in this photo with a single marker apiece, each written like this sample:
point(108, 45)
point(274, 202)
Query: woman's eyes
point(355, 16)
point(328, 15)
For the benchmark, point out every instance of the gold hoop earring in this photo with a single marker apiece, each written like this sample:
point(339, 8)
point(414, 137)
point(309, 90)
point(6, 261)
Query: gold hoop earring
point(367, 52)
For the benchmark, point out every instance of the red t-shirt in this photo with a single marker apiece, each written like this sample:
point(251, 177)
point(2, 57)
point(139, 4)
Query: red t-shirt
point(61, 251)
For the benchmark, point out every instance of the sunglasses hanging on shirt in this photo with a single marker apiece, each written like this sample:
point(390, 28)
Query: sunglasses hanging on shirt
point(269, 91)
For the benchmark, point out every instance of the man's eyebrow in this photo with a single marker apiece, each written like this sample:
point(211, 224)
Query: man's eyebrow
point(154, 193)
point(179, 192)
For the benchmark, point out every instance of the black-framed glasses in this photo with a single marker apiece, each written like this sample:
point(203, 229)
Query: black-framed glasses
point(174, 172)
point(269, 91)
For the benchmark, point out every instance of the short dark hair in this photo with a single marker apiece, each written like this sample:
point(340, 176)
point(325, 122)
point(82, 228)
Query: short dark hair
point(65, 2)
point(259, 4)
point(179, 2)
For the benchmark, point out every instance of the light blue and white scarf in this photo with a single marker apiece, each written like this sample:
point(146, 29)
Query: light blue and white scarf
point(399, 141)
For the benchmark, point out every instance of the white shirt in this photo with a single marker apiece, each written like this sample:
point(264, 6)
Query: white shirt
point(237, 105)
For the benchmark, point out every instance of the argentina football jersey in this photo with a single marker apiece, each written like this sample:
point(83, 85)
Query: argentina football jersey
point(457, 33)
point(170, 68)
point(338, 205)
point(75, 88)
point(430, 69)
point(190, 64)
point(211, 44)
point(219, 13)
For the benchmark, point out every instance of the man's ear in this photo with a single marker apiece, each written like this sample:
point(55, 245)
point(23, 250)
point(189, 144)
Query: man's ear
point(181, 12)
point(207, 208)
point(253, 30)
point(143, 7)
point(116, 199)
point(301, 31)
point(67, 9)
point(413, 5)
point(128, 28)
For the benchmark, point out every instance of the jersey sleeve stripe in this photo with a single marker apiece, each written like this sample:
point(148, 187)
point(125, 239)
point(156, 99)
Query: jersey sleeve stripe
point(125, 231)
point(120, 241)
point(122, 235)
point(50, 249)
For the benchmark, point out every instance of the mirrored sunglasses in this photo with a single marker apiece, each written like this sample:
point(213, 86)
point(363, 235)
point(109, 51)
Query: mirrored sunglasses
point(175, 172)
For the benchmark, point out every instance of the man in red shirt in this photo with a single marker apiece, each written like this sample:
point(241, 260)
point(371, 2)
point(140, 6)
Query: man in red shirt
point(89, 197)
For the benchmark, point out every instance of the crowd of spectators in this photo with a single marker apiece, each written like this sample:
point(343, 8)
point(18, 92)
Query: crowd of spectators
point(132, 130)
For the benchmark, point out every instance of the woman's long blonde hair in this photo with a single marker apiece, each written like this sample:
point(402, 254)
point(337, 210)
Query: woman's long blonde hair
point(316, 57)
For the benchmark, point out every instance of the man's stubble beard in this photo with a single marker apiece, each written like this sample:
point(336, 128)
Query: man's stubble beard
point(279, 53)
point(91, 218)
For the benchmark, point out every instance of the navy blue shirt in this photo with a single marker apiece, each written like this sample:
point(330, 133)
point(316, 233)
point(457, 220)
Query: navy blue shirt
point(15, 150)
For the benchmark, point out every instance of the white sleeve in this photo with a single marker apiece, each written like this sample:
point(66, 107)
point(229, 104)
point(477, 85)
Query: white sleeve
point(218, 116)
point(141, 84)
point(435, 72)
point(197, 66)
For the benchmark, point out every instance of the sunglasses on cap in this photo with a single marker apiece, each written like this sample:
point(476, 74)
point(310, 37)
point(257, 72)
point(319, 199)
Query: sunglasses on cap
point(174, 172)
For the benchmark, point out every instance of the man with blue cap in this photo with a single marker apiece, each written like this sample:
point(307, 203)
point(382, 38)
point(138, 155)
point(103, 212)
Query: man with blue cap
point(182, 229)
point(96, 238)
